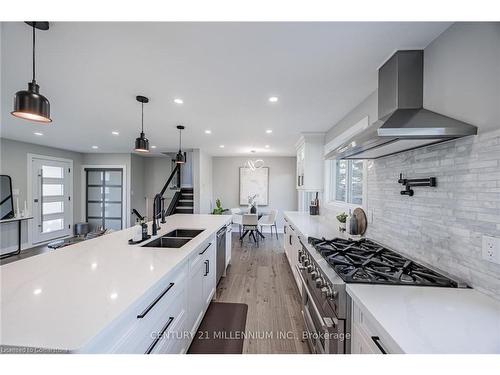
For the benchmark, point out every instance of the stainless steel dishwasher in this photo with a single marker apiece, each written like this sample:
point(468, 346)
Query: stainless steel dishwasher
point(221, 253)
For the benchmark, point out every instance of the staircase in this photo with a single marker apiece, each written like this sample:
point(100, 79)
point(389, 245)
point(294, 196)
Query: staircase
point(185, 204)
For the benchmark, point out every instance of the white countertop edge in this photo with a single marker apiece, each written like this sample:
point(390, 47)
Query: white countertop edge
point(165, 228)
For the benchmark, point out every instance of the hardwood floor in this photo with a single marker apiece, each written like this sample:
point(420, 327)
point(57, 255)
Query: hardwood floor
point(261, 278)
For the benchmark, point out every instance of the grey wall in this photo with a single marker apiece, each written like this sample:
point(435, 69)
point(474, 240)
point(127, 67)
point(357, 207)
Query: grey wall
point(137, 189)
point(14, 162)
point(462, 74)
point(282, 192)
point(368, 107)
point(443, 226)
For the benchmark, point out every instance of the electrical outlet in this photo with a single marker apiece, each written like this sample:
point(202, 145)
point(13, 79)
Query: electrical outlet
point(491, 249)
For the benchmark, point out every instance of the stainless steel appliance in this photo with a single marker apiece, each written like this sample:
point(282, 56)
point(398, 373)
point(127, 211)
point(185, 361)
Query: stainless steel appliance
point(221, 253)
point(325, 266)
point(403, 122)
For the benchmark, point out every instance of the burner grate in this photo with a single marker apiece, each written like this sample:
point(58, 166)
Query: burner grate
point(364, 261)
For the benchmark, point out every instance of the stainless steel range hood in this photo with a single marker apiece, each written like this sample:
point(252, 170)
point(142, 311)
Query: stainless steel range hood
point(403, 122)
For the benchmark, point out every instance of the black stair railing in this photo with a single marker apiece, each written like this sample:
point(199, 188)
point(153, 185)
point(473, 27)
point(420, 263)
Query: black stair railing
point(157, 206)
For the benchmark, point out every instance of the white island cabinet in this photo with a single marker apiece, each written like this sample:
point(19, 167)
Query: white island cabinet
point(105, 296)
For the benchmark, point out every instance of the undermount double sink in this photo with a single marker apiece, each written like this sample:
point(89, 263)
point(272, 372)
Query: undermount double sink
point(174, 239)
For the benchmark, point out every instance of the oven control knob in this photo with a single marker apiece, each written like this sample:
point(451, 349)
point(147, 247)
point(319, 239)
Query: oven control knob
point(335, 294)
point(326, 292)
point(310, 268)
point(314, 274)
point(302, 258)
point(306, 263)
point(319, 282)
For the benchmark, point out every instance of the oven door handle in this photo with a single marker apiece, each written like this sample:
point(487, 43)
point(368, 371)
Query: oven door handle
point(324, 325)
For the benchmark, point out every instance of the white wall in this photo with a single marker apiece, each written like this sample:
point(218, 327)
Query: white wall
point(202, 182)
point(282, 191)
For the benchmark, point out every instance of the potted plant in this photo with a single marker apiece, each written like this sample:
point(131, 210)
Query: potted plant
point(252, 202)
point(342, 219)
point(218, 210)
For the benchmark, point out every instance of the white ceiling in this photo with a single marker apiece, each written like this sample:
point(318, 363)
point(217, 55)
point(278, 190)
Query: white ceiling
point(224, 72)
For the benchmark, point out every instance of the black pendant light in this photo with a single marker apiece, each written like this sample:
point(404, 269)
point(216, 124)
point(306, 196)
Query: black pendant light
point(142, 143)
point(30, 104)
point(179, 158)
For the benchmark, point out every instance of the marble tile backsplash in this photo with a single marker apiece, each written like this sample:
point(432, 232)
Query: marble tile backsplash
point(441, 226)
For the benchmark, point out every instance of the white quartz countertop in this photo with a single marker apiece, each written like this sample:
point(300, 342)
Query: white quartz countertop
point(431, 319)
point(63, 298)
point(313, 226)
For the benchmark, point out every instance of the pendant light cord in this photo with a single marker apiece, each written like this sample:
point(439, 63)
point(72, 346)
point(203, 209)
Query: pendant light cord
point(180, 139)
point(142, 117)
point(33, 52)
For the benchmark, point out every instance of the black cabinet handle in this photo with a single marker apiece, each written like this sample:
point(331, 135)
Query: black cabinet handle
point(376, 340)
point(208, 267)
point(160, 335)
point(144, 313)
point(290, 240)
point(203, 252)
point(292, 228)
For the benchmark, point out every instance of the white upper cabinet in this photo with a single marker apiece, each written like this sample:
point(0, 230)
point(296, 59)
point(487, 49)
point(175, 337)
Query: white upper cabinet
point(310, 162)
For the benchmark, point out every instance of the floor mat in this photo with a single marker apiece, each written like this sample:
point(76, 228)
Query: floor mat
point(221, 330)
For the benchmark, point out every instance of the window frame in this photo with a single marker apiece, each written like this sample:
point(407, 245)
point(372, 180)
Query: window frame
point(331, 184)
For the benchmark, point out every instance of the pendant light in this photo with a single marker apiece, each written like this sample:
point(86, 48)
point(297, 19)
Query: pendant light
point(142, 143)
point(179, 158)
point(30, 104)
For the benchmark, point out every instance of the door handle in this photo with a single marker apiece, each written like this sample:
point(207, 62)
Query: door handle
point(160, 335)
point(152, 304)
point(376, 340)
point(203, 252)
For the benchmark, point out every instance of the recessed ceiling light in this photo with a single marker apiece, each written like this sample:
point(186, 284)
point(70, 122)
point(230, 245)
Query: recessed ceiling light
point(178, 101)
point(221, 146)
point(252, 151)
point(95, 147)
point(269, 131)
point(273, 99)
point(153, 146)
point(37, 291)
point(115, 133)
point(113, 295)
point(208, 131)
point(38, 133)
point(267, 146)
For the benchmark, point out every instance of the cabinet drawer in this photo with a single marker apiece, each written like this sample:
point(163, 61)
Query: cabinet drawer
point(359, 343)
point(373, 335)
point(172, 337)
point(199, 255)
point(132, 332)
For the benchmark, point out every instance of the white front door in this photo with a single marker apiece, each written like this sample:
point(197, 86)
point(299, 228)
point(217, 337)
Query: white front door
point(52, 204)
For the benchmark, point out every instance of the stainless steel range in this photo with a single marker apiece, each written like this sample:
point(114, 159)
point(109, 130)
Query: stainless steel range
point(325, 266)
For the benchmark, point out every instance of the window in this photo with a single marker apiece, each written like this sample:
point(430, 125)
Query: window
point(346, 181)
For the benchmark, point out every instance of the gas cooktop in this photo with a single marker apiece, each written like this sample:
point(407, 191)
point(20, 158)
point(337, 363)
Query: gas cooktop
point(364, 261)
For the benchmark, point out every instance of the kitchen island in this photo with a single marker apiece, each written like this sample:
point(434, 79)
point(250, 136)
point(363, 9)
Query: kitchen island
point(89, 297)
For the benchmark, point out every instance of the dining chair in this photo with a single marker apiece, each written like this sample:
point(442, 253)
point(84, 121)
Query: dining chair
point(269, 221)
point(237, 218)
point(250, 226)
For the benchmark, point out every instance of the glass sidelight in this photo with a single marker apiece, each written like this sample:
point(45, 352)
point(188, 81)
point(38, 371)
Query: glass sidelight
point(104, 198)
